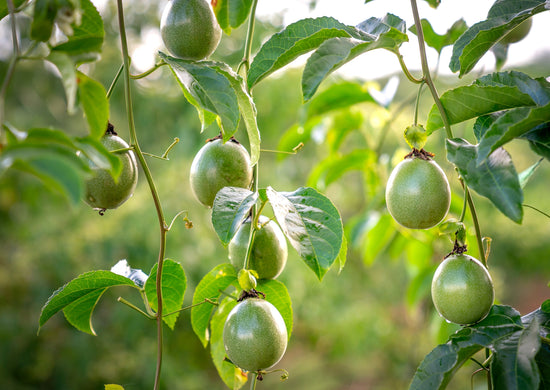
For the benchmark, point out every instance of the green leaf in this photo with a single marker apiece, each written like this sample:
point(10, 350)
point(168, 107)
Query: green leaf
point(337, 96)
point(538, 89)
point(474, 100)
point(173, 284)
point(335, 166)
point(79, 312)
point(502, 18)
point(100, 156)
point(312, 225)
point(296, 39)
point(68, 76)
point(84, 45)
point(231, 207)
point(496, 178)
point(378, 231)
point(210, 287)
point(4, 11)
point(93, 99)
point(277, 294)
point(510, 125)
point(86, 290)
point(501, 331)
point(433, 3)
point(232, 13)
point(539, 140)
point(209, 90)
point(231, 375)
point(438, 42)
point(384, 33)
point(44, 15)
point(247, 109)
point(51, 156)
point(526, 175)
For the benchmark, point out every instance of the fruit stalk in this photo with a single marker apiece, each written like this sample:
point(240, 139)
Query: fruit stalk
point(154, 192)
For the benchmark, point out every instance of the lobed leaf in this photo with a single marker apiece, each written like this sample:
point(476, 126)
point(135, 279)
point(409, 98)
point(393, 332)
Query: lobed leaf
point(312, 225)
point(231, 207)
point(86, 290)
point(210, 287)
point(502, 18)
point(296, 39)
point(174, 284)
point(437, 41)
point(496, 178)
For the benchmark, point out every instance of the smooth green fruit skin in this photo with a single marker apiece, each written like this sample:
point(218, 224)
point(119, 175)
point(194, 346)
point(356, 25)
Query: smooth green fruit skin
point(269, 251)
point(102, 192)
point(462, 290)
point(218, 165)
point(418, 195)
point(518, 33)
point(189, 29)
point(254, 335)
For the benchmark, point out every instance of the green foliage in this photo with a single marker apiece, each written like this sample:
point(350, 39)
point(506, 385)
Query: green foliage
point(502, 18)
point(231, 207)
point(79, 297)
point(438, 42)
point(174, 284)
point(232, 13)
point(514, 340)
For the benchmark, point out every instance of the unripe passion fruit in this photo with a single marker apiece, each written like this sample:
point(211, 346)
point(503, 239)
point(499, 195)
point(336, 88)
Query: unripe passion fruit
point(462, 290)
point(189, 29)
point(102, 192)
point(418, 195)
point(518, 33)
point(218, 165)
point(269, 251)
point(255, 335)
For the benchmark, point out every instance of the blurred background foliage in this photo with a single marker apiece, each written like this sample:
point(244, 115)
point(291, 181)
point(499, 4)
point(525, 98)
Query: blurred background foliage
point(366, 327)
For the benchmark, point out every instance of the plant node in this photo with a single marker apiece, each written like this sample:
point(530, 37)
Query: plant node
point(247, 294)
point(422, 154)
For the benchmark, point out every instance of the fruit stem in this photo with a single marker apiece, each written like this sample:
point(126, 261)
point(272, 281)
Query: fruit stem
point(11, 68)
point(428, 80)
point(253, 381)
point(154, 192)
point(465, 204)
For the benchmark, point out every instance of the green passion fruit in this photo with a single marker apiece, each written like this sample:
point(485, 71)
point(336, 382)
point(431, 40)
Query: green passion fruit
point(269, 250)
point(462, 290)
point(418, 195)
point(102, 191)
point(518, 33)
point(254, 335)
point(189, 29)
point(218, 165)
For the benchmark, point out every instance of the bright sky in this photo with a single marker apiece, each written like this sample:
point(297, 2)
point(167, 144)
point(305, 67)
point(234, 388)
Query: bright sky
point(380, 62)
